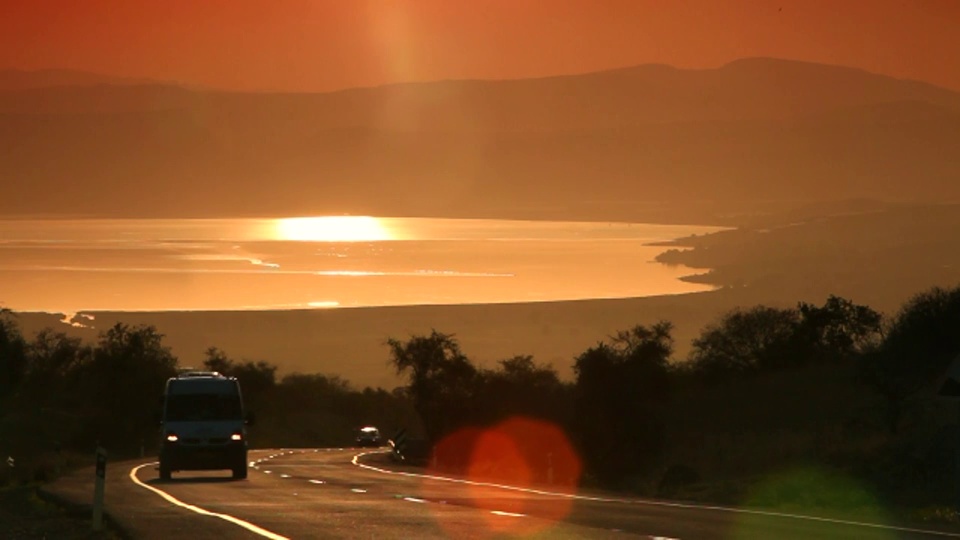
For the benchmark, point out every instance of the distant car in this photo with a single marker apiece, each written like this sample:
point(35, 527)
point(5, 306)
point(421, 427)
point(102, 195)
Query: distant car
point(369, 436)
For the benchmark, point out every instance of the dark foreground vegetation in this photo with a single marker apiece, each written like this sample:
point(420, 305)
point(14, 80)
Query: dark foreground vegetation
point(27, 513)
point(826, 406)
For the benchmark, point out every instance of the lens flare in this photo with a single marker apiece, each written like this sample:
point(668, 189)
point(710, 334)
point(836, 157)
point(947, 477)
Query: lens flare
point(812, 490)
point(520, 452)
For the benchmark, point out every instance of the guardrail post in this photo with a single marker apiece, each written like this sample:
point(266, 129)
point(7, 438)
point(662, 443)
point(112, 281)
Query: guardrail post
point(101, 472)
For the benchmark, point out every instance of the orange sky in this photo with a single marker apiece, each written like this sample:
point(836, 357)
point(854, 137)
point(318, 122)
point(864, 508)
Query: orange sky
point(306, 45)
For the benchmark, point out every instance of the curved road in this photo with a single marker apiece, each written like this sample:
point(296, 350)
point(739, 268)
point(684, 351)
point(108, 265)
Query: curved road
point(349, 493)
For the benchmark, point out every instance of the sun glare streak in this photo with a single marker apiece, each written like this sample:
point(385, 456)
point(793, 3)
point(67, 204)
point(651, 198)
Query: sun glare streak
point(332, 229)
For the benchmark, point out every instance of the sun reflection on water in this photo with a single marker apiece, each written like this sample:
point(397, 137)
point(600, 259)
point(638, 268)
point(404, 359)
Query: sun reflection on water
point(332, 229)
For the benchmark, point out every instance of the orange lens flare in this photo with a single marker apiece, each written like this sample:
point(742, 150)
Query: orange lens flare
point(519, 452)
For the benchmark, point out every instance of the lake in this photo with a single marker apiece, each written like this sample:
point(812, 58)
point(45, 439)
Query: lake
point(71, 266)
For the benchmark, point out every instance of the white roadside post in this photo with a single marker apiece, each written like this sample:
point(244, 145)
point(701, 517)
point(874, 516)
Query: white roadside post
point(399, 444)
point(950, 390)
point(98, 489)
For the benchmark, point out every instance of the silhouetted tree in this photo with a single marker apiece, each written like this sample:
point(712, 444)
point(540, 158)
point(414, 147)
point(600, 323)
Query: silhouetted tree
point(121, 385)
point(746, 341)
point(521, 387)
point(764, 338)
point(308, 410)
point(442, 381)
point(920, 343)
point(54, 362)
point(13, 354)
point(837, 331)
point(217, 360)
point(621, 388)
point(257, 378)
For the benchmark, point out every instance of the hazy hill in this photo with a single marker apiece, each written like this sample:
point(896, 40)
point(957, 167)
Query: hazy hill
point(880, 256)
point(18, 79)
point(582, 145)
point(749, 89)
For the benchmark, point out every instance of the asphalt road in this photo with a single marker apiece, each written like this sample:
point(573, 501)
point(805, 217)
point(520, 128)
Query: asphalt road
point(332, 493)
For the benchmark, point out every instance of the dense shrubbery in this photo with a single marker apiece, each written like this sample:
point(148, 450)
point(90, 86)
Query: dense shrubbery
point(762, 387)
point(60, 397)
point(621, 389)
point(773, 386)
point(764, 338)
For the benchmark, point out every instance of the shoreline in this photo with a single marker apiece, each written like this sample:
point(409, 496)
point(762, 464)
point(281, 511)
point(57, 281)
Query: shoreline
point(351, 342)
point(95, 312)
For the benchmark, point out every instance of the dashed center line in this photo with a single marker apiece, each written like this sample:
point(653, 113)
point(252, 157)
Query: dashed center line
point(506, 514)
point(647, 502)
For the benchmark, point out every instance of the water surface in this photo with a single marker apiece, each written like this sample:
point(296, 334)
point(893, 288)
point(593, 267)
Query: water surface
point(69, 266)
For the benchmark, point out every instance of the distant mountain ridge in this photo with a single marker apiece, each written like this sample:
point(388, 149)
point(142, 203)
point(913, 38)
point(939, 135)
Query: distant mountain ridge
point(754, 129)
point(19, 79)
point(748, 89)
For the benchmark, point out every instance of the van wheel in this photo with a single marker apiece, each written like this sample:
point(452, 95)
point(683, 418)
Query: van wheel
point(240, 473)
point(164, 471)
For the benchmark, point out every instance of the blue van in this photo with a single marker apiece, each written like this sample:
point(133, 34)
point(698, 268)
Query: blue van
point(203, 426)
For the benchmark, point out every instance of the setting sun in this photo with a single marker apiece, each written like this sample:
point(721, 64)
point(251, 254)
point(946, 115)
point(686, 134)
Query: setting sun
point(332, 229)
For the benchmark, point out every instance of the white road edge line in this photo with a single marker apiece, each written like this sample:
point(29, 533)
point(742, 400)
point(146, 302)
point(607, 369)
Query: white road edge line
point(226, 517)
point(766, 513)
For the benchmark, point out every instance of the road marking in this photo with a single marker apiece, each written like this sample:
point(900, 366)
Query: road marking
point(226, 517)
point(284, 476)
point(643, 502)
point(414, 500)
point(506, 514)
point(356, 490)
point(317, 482)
